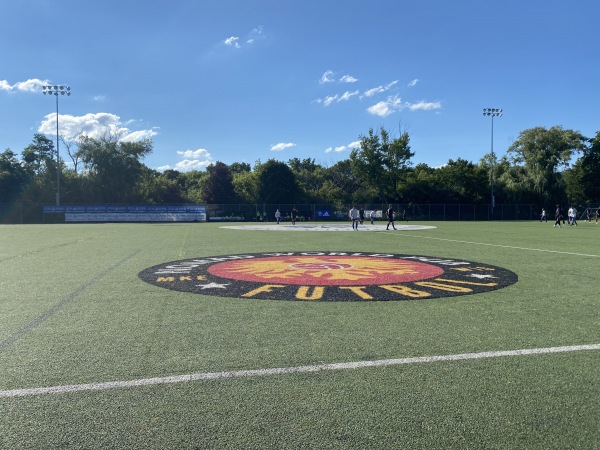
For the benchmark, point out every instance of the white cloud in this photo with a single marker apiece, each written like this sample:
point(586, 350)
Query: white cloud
point(394, 103)
point(336, 98)
point(424, 106)
point(347, 96)
point(329, 100)
point(413, 82)
point(193, 160)
point(31, 85)
point(94, 125)
point(348, 79)
point(185, 165)
point(281, 146)
point(193, 164)
point(379, 89)
point(327, 77)
point(373, 91)
point(254, 35)
point(195, 154)
point(387, 107)
point(232, 41)
point(341, 148)
point(99, 98)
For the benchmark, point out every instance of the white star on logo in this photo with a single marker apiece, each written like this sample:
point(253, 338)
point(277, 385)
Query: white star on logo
point(212, 286)
point(477, 275)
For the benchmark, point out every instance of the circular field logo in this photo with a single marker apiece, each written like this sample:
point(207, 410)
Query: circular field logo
point(328, 276)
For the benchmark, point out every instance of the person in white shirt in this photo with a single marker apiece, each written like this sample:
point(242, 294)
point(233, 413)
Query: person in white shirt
point(572, 216)
point(353, 214)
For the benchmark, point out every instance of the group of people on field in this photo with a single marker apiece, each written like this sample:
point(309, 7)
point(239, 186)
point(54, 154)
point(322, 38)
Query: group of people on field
point(571, 216)
point(357, 216)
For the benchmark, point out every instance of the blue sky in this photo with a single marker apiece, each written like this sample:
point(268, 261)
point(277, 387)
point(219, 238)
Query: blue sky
point(246, 80)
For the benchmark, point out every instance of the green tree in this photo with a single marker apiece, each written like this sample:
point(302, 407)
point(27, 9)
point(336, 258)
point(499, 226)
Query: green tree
point(590, 166)
point(276, 183)
point(39, 159)
point(420, 185)
point(113, 167)
point(218, 187)
point(311, 177)
point(238, 167)
point(382, 162)
point(463, 182)
point(542, 153)
point(160, 188)
point(342, 186)
point(13, 177)
point(246, 187)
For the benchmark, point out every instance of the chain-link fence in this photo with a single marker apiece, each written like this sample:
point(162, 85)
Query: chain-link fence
point(21, 213)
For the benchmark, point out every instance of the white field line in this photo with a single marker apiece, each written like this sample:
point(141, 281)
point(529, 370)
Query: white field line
point(498, 245)
point(286, 370)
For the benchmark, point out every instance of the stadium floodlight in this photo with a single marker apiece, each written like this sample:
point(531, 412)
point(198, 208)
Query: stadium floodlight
point(55, 90)
point(492, 112)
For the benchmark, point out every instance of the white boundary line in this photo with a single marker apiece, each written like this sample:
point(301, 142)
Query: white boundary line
point(497, 245)
point(325, 227)
point(286, 370)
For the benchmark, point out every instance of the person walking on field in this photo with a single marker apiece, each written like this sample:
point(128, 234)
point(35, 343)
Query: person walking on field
point(354, 216)
point(543, 217)
point(277, 216)
point(372, 216)
point(390, 216)
point(559, 216)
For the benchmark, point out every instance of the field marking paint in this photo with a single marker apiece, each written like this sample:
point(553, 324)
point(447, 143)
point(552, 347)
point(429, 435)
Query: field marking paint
point(287, 370)
point(24, 330)
point(324, 227)
point(498, 245)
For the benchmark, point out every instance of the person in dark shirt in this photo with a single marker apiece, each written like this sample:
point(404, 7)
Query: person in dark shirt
point(390, 216)
point(559, 216)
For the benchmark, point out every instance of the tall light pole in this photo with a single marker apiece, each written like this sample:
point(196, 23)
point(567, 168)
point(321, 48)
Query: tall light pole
point(57, 91)
point(492, 112)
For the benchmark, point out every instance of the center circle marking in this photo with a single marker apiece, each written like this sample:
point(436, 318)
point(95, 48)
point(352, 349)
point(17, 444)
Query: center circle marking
point(328, 276)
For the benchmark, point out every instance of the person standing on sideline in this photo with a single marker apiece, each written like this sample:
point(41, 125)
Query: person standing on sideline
point(372, 216)
point(597, 214)
point(559, 216)
point(573, 216)
point(361, 215)
point(294, 215)
point(543, 217)
point(404, 216)
point(390, 216)
point(354, 217)
point(277, 216)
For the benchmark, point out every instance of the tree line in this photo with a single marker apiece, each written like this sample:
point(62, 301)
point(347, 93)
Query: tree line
point(542, 167)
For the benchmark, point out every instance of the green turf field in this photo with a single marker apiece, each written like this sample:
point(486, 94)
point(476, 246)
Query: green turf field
point(76, 317)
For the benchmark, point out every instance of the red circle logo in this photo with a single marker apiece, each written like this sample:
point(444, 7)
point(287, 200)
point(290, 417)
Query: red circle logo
point(320, 270)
